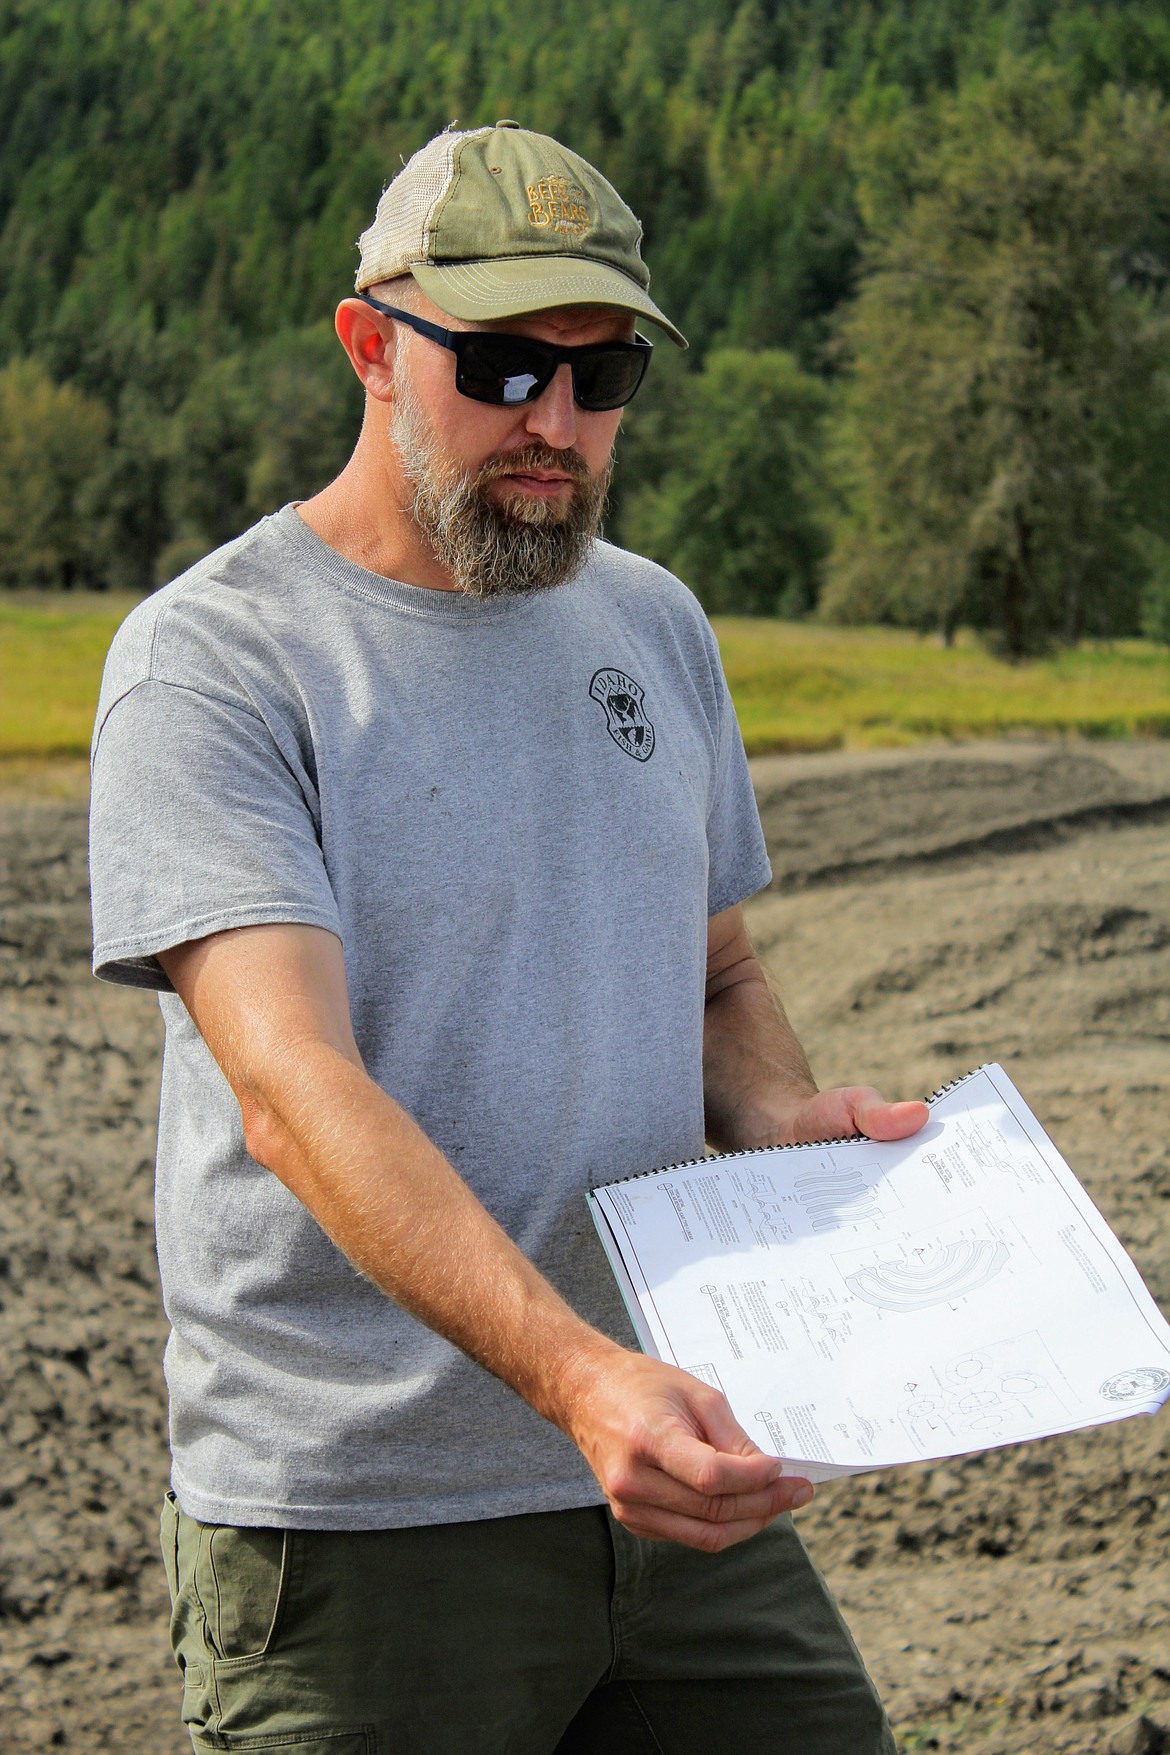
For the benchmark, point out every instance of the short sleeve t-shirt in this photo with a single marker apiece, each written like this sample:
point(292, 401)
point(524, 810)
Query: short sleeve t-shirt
point(516, 816)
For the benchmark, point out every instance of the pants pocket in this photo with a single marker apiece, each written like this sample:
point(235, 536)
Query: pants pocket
point(228, 1589)
point(241, 1579)
point(168, 1536)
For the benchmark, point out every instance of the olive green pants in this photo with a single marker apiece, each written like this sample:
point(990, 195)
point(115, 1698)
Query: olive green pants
point(556, 1634)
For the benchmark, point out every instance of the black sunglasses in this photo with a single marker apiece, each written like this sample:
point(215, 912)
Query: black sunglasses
point(512, 369)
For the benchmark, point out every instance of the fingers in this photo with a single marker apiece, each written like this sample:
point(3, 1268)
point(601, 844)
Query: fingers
point(723, 1432)
point(673, 1461)
point(701, 1480)
point(889, 1121)
point(692, 1532)
point(708, 1451)
point(645, 1490)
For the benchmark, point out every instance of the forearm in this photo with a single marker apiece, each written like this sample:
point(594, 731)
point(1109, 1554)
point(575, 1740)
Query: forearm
point(757, 1084)
point(272, 1005)
point(393, 1204)
point(755, 1072)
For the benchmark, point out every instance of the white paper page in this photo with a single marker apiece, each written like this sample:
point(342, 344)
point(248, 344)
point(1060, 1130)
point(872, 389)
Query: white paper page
point(863, 1304)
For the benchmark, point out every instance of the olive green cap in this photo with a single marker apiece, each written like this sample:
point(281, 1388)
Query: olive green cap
point(500, 222)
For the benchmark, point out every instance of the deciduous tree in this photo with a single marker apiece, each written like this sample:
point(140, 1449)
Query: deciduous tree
point(1008, 352)
point(53, 462)
point(736, 509)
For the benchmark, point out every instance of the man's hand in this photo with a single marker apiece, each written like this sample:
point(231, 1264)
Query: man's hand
point(850, 1109)
point(757, 1085)
point(272, 1005)
point(670, 1456)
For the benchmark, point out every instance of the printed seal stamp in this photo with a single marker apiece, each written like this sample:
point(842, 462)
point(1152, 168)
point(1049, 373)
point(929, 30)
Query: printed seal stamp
point(1144, 1383)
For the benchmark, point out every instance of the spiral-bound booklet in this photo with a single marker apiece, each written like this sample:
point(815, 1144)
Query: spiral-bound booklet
point(863, 1305)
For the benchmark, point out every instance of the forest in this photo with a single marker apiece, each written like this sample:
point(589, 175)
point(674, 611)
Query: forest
point(921, 249)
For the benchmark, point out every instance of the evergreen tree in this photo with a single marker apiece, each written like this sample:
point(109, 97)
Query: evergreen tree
point(182, 183)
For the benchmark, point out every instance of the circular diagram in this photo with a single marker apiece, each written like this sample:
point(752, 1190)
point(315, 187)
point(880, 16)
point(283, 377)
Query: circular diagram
point(1021, 1383)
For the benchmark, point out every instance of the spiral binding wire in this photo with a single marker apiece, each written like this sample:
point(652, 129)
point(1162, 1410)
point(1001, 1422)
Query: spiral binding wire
point(845, 1139)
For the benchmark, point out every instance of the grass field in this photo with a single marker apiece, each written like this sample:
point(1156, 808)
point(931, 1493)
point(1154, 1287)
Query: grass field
point(797, 686)
point(51, 653)
point(800, 686)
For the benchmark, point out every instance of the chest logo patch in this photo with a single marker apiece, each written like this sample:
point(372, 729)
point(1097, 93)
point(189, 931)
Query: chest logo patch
point(622, 699)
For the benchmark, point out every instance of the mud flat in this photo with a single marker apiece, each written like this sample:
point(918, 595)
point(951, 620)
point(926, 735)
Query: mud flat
point(933, 908)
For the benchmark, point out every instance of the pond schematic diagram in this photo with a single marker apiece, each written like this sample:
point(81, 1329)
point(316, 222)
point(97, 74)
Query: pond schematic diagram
point(928, 1277)
point(832, 1195)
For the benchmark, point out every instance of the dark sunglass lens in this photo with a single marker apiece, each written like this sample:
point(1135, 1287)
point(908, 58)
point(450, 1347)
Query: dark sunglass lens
point(609, 379)
point(505, 369)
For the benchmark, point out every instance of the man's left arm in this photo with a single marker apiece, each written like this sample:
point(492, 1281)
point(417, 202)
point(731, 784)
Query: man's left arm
point(758, 1087)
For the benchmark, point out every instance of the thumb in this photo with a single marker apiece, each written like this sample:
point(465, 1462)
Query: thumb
point(879, 1120)
point(723, 1432)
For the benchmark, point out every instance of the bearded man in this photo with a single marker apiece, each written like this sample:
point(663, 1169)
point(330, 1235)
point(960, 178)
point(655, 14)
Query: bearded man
point(426, 812)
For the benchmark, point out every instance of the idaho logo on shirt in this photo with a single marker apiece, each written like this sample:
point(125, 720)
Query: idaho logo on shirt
point(625, 717)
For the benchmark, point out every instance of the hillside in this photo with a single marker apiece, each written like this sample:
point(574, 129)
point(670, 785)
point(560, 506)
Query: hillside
point(182, 183)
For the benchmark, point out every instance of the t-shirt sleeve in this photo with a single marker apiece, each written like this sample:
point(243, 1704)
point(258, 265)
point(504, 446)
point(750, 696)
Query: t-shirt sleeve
point(739, 864)
point(199, 821)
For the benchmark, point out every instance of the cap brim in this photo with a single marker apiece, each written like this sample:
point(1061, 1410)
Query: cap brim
point(519, 286)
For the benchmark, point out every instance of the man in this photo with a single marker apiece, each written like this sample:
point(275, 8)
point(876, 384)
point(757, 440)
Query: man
point(427, 814)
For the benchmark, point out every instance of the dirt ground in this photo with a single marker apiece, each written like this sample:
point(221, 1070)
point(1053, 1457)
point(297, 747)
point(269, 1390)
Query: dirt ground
point(933, 909)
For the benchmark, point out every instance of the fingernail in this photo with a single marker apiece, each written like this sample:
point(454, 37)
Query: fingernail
point(801, 1497)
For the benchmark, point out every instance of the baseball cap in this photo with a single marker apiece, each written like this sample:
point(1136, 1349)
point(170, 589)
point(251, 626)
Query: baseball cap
point(501, 222)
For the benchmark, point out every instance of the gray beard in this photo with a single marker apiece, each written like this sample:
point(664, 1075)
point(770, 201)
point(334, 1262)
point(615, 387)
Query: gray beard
point(490, 549)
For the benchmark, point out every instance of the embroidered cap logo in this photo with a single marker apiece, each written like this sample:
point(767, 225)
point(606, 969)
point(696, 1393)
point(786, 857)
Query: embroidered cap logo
point(558, 203)
point(625, 716)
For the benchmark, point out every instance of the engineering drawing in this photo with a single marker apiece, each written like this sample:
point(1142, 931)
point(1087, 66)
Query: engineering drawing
point(834, 1197)
point(950, 1271)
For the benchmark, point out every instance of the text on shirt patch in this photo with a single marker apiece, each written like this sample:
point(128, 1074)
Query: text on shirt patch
point(625, 716)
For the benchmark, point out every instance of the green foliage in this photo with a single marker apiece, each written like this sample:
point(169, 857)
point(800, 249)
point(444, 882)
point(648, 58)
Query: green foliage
point(1008, 355)
point(52, 452)
point(734, 510)
point(253, 431)
point(1154, 552)
point(182, 182)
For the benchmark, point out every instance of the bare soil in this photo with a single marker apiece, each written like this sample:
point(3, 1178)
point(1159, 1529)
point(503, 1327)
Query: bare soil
point(934, 908)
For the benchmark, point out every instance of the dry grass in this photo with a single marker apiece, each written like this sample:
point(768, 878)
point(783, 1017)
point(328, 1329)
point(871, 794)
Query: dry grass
point(52, 646)
point(797, 686)
point(800, 686)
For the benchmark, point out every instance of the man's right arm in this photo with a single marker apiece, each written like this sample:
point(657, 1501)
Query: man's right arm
point(271, 1002)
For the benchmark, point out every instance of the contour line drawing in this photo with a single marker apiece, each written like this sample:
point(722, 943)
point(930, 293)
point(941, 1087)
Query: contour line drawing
point(832, 1197)
point(954, 1270)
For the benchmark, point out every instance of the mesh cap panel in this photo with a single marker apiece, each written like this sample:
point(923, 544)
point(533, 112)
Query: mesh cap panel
point(401, 231)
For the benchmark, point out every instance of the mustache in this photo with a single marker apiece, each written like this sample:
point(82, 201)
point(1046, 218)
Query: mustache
point(534, 456)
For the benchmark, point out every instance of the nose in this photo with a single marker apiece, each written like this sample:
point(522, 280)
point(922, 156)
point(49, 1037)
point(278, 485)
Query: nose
point(553, 416)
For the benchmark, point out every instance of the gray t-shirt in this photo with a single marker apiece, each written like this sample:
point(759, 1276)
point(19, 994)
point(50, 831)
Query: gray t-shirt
point(516, 816)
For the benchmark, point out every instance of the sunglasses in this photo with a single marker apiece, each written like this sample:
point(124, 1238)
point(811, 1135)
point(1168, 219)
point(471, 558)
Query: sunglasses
point(511, 369)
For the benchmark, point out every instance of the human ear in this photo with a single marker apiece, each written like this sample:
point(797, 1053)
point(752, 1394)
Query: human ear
point(369, 341)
